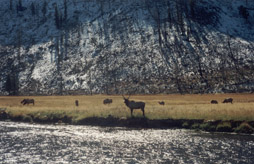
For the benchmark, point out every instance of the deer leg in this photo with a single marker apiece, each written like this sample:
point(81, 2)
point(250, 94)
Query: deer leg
point(131, 112)
point(143, 110)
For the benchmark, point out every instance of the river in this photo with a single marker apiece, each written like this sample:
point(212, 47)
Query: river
point(35, 143)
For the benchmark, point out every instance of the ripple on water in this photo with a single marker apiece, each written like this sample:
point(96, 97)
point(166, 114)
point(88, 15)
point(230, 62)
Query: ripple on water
point(33, 143)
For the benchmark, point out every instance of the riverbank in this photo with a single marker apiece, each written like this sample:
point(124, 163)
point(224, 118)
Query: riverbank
point(245, 127)
point(179, 111)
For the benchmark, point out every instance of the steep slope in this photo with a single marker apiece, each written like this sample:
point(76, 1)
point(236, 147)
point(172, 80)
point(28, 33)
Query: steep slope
point(130, 46)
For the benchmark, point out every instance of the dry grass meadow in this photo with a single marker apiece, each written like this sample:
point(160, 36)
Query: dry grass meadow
point(176, 106)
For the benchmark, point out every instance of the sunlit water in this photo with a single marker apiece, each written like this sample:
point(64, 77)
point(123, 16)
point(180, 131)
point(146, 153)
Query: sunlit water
point(33, 143)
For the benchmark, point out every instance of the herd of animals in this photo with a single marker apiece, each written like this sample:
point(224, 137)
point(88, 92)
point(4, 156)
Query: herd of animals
point(130, 104)
point(228, 100)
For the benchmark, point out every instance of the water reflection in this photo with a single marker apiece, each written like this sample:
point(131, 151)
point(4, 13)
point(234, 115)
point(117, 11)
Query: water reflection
point(28, 143)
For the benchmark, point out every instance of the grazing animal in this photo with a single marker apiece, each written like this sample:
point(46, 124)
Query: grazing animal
point(27, 101)
point(134, 105)
point(107, 101)
point(161, 102)
point(228, 100)
point(76, 102)
point(214, 102)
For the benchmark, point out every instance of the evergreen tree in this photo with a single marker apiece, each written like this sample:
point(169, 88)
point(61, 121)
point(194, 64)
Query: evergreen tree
point(11, 84)
point(10, 4)
point(8, 85)
point(243, 12)
point(169, 14)
point(65, 10)
point(192, 4)
point(57, 20)
point(32, 8)
point(44, 9)
point(20, 5)
point(61, 20)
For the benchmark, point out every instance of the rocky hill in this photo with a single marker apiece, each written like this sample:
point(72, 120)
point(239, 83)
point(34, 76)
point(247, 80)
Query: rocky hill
point(126, 46)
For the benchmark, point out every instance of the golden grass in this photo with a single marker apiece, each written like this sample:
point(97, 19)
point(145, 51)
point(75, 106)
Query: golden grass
point(176, 106)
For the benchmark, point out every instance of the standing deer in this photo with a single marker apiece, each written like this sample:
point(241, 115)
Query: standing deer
point(134, 105)
point(76, 102)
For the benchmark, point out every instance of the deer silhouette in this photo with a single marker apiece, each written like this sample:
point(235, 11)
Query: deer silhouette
point(134, 105)
point(214, 102)
point(27, 101)
point(107, 101)
point(161, 102)
point(76, 102)
point(228, 100)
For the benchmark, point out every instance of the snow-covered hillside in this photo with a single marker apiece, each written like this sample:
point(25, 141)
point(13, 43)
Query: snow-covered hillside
point(126, 46)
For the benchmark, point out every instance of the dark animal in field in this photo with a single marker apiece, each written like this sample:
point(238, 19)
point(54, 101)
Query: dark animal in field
point(107, 101)
point(27, 101)
point(228, 100)
point(161, 102)
point(134, 105)
point(76, 102)
point(214, 102)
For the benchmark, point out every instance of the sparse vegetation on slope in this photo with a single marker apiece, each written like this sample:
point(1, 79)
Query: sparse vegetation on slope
point(112, 46)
